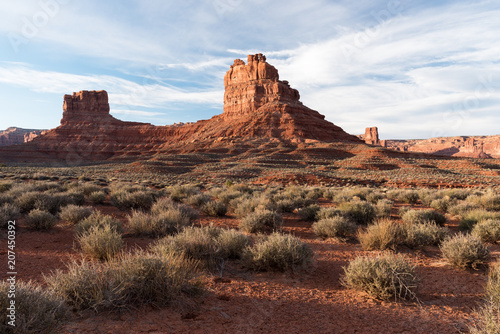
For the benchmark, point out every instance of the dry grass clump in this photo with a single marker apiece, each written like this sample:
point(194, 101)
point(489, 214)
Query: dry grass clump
point(462, 208)
point(383, 277)
point(167, 206)
point(214, 209)
point(423, 234)
point(40, 220)
point(167, 221)
point(97, 219)
point(97, 197)
point(383, 208)
point(487, 231)
point(465, 251)
point(141, 199)
point(473, 217)
point(198, 200)
point(210, 246)
point(422, 216)
point(74, 214)
point(125, 282)
point(8, 211)
point(383, 234)
point(325, 213)
point(405, 196)
point(5, 186)
point(489, 312)
point(360, 212)
point(101, 242)
point(336, 227)
point(441, 204)
point(280, 252)
point(181, 192)
point(261, 221)
point(36, 310)
point(245, 205)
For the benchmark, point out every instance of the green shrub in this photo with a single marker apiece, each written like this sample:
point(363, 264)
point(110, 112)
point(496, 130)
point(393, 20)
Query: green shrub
point(487, 231)
point(362, 213)
point(383, 234)
point(8, 212)
point(125, 282)
point(74, 214)
point(97, 197)
point(335, 227)
point(36, 310)
point(102, 243)
point(309, 212)
point(97, 219)
point(422, 216)
point(40, 220)
point(383, 277)
point(214, 209)
point(465, 251)
point(260, 221)
point(423, 234)
point(279, 252)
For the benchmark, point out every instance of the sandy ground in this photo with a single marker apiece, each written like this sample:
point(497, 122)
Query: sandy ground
point(242, 301)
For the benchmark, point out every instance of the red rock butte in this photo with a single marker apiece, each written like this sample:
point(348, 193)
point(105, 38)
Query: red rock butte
point(256, 105)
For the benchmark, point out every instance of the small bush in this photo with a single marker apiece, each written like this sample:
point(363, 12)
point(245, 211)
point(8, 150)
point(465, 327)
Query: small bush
point(336, 227)
point(166, 205)
point(383, 234)
point(403, 209)
point(383, 208)
point(125, 282)
point(102, 243)
point(74, 214)
point(141, 199)
point(97, 197)
point(245, 205)
point(178, 193)
point(408, 196)
point(309, 212)
point(5, 186)
point(170, 221)
point(8, 212)
point(422, 216)
point(441, 204)
point(362, 213)
point(383, 277)
point(214, 209)
point(40, 220)
point(99, 220)
point(487, 231)
point(374, 197)
point(279, 252)
point(325, 213)
point(465, 251)
point(423, 234)
point(36, 310)
point(475, 216)
point(261, 221)
point(198, 200)
point(462, 208)
point(490, 201)
point(232, 243)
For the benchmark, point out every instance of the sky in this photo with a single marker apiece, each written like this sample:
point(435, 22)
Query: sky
point(415, 69)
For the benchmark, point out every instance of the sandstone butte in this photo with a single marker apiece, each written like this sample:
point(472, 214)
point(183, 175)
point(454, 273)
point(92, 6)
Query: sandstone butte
point(14, 136)
point(257, 105)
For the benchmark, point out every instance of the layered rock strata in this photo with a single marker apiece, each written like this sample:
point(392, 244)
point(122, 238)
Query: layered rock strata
point(256, 105)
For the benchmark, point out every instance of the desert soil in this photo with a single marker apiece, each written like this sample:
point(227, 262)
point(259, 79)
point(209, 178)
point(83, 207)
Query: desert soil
point(241, 301)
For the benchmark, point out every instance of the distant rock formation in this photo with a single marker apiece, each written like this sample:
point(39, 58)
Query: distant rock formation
point(257, 105)
point(14, 136)
point(460, 146)
point(371, 137)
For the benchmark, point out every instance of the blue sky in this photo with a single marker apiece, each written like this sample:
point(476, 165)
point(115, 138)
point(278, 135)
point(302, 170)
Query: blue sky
point(415, 69)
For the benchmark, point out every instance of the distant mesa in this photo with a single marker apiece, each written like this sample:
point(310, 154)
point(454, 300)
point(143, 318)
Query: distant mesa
point(15, 136)
point(257, 105)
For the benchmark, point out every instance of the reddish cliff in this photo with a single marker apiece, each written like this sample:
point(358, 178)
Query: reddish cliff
point(14, 136)
point(257, 105)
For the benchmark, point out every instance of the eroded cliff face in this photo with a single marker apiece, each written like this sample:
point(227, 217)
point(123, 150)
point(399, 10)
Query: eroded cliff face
point(15, 136)
point(257, 105)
